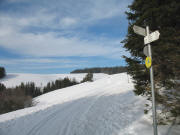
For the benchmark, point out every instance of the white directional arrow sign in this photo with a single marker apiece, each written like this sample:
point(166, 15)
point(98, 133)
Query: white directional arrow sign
point(151, 37)
point(139, 30)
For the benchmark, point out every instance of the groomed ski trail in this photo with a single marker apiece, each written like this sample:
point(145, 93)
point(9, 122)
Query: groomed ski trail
point(105, 107)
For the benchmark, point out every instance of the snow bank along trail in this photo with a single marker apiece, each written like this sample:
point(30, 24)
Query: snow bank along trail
point(107, 106)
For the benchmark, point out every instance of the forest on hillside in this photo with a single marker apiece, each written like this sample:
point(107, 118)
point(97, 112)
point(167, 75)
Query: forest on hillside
point(106, 70)
point(22, 95)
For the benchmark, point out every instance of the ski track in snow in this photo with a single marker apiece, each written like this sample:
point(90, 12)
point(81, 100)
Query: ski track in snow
point(105, 107)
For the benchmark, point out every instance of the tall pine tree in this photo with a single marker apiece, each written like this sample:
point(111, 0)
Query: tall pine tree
point(162, 15)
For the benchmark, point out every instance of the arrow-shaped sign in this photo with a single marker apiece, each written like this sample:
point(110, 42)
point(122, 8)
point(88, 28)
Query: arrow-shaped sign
point(139, 30)
point(151, 37)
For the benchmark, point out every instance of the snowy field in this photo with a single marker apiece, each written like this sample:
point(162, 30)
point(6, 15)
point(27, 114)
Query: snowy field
point(106, 106)
point(14, 79)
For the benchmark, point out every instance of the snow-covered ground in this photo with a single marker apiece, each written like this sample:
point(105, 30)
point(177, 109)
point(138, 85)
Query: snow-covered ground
point(106, 106)
point(14, 79)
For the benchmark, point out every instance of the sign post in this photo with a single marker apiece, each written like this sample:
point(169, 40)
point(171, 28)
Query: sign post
point(152, 87)
point(148, 38)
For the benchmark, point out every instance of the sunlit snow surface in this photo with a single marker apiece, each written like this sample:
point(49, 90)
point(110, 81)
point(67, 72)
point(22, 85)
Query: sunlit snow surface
point(106, 106)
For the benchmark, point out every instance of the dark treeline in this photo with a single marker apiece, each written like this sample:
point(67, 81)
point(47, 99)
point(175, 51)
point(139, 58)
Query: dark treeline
point(66, 82)
point(19, 97)
point(30, 89)
point(12, 99)
point(107, 70)
point(58, 84)
point(2, 72)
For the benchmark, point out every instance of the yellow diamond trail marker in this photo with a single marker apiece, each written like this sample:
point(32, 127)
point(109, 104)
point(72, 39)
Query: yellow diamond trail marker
point(148, 62)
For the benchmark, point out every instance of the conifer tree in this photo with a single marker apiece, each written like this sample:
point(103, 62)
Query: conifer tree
point(2, 72)
point(2, 87)
point(162, 15)
point(88, 77)
point(159, 15)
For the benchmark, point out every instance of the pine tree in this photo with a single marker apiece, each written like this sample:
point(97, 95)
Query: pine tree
point(159, 15)
point(88, 77)
point(2, 87)
point(2, 72)
point(162, 15)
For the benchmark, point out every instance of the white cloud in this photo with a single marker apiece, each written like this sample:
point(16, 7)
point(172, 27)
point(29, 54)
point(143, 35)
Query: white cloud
point(78, 13)
point(107, 9)
point(32, 60)
point(16, 1)
point(61, 15)
point(41, 63)
point(50, 66)
point(67, 22)
point(41, 18)
point(49, 44)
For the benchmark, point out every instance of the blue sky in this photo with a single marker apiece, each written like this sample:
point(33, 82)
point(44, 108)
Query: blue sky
point(58, 36)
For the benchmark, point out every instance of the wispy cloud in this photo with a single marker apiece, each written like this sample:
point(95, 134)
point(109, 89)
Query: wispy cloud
point(53, 13)
point(56, 28)
point(50, 44)
point(42, 63)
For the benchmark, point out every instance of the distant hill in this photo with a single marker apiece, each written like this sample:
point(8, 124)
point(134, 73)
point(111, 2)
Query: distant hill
point(107, 70)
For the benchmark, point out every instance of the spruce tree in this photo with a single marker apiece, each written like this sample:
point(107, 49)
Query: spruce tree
point(159, 15)
point(162, 15)
point(88, 77)
point(2, 87)
point(2, 72)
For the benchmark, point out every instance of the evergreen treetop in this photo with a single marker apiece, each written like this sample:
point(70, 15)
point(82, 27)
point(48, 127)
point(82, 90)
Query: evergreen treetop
point(162, 15)
point(159, 15)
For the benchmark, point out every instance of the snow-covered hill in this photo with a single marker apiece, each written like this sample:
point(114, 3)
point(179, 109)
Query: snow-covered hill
point(14, 79)
point(106, 106)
